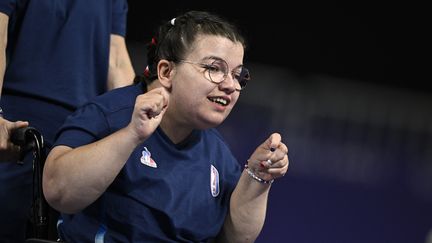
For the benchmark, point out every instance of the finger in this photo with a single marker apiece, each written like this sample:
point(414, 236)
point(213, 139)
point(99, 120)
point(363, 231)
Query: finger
point(161, 100)
point(153, 110)
point(17, 125)
point(275, 155)
point(280, 171)
point(282, 148)
point(280, 163)
point(277, 164)
point(266, 149)
point(262, 157)
point(164, 92)
point(279, 153)
point(273, 141)
point(277, 172)
point(149, 105)
point(7, 130)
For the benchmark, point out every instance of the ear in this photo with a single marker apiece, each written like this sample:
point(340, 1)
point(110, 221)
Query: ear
point(166, 72)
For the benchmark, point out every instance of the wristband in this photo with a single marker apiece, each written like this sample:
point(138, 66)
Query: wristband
point(255, 177)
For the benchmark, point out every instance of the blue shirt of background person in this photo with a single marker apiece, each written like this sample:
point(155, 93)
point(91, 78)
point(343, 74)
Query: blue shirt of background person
point(54, 56)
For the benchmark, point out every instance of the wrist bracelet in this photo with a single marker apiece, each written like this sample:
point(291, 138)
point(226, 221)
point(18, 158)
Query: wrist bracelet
point(1, 112)
point(251, 174)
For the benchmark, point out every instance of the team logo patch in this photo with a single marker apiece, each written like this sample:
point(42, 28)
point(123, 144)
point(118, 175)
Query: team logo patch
point(214, 181)
point(146, 158)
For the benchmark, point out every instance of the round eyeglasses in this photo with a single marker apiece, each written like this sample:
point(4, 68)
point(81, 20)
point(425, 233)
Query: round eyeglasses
point(218, 70)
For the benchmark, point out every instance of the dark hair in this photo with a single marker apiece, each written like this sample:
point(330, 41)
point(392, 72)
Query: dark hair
point(175, 37)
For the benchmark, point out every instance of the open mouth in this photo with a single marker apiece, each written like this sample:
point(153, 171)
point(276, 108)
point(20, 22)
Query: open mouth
point(219, 100)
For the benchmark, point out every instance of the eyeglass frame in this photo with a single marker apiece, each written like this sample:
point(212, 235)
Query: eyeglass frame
point(208, 68)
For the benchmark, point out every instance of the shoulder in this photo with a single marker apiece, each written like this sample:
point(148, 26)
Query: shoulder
point(117, 99)
point(7, 7)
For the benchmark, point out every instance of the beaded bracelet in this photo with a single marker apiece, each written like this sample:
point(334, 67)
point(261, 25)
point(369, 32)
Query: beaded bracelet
point(255, 177)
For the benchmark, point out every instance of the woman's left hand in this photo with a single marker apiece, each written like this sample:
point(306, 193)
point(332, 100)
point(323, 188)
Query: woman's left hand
point(270, 159)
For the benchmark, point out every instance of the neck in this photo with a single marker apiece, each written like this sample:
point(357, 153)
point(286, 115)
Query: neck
point(175, 131)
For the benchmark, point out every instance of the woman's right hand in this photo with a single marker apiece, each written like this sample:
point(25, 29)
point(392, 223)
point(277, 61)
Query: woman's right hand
point(148, 112)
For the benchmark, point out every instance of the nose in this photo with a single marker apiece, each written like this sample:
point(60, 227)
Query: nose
point(229, 84)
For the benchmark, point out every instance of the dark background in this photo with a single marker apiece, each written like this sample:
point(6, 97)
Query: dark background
point(348, 87)
point(372, 42)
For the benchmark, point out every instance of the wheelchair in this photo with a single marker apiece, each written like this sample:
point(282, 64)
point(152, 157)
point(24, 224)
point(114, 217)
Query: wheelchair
point(41, 227)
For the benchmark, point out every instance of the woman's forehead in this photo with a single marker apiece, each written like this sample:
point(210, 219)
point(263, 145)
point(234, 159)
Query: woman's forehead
point(213, 45)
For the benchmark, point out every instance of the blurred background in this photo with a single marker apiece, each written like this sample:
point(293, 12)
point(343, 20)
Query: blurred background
point(346, 86)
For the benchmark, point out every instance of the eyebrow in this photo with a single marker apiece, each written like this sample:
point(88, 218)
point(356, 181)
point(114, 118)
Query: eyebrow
point(216, 58)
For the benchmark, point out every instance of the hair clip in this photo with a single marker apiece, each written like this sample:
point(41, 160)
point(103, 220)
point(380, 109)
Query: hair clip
point(173, 21)
point(153, 41)
point(147, 71)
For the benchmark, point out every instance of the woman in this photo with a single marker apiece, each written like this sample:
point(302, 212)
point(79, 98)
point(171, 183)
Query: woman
point(144, 163)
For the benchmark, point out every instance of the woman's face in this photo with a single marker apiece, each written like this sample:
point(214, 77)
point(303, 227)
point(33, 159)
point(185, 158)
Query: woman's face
point(195, 100)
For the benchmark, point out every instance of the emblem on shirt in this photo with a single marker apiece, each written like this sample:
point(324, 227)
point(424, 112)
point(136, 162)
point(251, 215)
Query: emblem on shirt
point(146, 158)
point(214, 181)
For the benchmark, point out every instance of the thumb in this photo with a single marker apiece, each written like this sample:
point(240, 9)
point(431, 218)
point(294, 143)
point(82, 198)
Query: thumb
point(17, 125)
point(273, 142)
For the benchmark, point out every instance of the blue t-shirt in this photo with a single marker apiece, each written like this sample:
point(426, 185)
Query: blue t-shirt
point(57, 59)
point(165, 192)
point(59, 50)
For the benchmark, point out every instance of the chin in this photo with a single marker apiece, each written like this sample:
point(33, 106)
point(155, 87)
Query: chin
point(207, 123)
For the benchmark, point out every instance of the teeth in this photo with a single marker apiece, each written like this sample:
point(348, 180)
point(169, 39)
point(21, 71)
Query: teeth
point(220, 101)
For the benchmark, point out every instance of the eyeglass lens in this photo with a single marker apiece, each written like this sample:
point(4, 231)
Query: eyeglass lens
point(218, 72)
